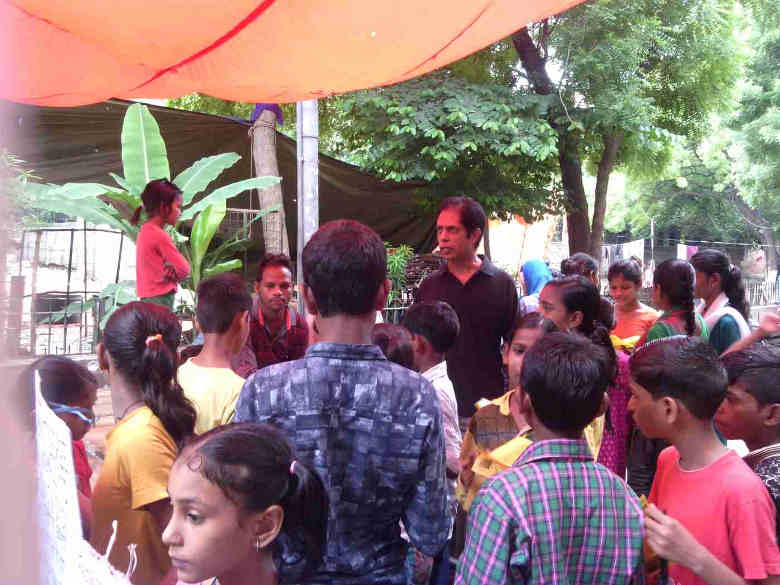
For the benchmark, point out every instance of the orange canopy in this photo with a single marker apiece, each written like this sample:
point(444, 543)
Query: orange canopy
point(72, 52)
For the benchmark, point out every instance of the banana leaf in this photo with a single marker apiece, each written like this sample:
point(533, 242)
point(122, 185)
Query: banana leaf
point(73, 308)
point(76, 191)
point(125, 185)
point(228, 266)
point(224, 193)
point(203, 230)
point(144, 156)
point(196, 178)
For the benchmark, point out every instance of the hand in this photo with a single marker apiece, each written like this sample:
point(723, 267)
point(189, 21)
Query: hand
point(770, 323)
point(671, 540)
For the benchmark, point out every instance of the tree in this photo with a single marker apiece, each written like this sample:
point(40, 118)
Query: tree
point(632, 74)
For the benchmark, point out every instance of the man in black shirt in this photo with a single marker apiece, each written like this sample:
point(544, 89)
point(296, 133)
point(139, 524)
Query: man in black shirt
point(483, 296)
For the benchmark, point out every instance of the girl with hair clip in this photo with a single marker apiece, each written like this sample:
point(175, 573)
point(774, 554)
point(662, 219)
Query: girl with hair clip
point(725, 309)
point(159, 266)
point(634, 319)
point(573, 304)
point(244, 509)
point(153, 417)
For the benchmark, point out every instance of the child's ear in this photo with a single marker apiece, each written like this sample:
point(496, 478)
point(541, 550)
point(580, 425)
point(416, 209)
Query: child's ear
point(603, 406)
point(771, 415)
point(308, 298)
point(381, 296)
point(102, 357)
point(575, 320)
point(525, 408)
point(267, 525)
point(505, 353)
point(670, 409)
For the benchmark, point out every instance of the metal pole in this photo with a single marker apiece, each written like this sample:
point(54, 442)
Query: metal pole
point(67, 294)
point(308, 181)
point(34, 294)
point(119, 258)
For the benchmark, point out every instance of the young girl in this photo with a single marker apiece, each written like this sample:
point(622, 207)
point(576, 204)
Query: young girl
point(70, 390)
point(153, 416)
point(585, 265)
point(673, 283)
point(244, 509)
point(725, 308)
point(634, 319)
point(159, 266)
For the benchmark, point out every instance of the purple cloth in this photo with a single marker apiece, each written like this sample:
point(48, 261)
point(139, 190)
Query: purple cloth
point(260, 108)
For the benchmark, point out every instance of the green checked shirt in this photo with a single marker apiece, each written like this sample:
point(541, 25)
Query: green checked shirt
point(555, 517)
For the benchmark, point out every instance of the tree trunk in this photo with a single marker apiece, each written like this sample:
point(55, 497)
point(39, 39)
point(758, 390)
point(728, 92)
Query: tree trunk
point(611, 145)
point(264, 154)
point(577, 221)
point(486, 240)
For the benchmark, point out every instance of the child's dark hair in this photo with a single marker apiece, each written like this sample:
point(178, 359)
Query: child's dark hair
point(580, 294)
point(756, 369)
point(395, 342)
point(141, 339)
point(684, 368)
point(156, 194)
point(344, 264)
point(220, 299)
point(677, 281)
point(472, 216)
point(630, 269)
point(255, 467)
point(62, 380)
point(282, 260)
point(579, 263)
point(731, 283)
point(533, 320)
point(566, 375)
point(436, 321)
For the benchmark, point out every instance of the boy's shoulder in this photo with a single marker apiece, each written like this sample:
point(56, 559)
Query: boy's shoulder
point(742, 481)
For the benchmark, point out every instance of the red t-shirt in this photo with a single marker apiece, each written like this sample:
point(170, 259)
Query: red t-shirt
point(83, 470)
point(159, 266)
point(726, 507)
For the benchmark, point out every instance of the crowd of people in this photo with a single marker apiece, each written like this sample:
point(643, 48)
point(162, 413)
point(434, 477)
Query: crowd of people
point(552, 437)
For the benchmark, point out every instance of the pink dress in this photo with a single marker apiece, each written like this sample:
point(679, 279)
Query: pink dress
point(614, 444)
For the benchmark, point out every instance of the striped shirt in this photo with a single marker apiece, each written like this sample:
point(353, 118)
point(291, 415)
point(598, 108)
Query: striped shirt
point(555, 517)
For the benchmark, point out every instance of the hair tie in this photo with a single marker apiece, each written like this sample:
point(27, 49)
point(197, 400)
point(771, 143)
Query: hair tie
point(151, 338)
point(292, 467)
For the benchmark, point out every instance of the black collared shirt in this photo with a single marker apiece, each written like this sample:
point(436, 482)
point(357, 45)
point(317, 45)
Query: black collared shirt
point(486, 306)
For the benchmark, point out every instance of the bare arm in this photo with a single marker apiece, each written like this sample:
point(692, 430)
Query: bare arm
point(769, 325)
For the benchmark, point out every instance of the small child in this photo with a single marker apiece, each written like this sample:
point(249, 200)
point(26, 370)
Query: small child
point(70, 390)
point(207, 379)
point(244, 509)
point(159, 266)
point(395, 342)
point(556, 516)
point(710, 516)
point(751, 412)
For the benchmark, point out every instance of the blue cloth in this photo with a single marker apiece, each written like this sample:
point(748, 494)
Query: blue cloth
point(259, 108)
point(535, 274)
point(372, 430)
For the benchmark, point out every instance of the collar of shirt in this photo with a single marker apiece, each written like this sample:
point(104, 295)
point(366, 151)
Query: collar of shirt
point(487, 267)
point(567, 449)
point(346, 351)
point(287, 319)
point(436, 372)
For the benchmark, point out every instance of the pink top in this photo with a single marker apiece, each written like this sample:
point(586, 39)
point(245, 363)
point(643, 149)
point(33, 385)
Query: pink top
point(159, 266)
point(726, 507)
point(614, 444)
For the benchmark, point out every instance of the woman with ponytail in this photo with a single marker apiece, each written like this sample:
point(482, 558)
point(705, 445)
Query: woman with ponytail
point(725, 309)
point(153, 417)
point(244, 509)
point(159, 266)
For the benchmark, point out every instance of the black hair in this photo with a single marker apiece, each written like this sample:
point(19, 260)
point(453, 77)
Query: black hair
point(220, 299)
point(141, 339)
point(156, 194)
point(62, 380)
point(756, 369)
point(684, 368)
point(472, 216)
point(436, 321)
point(630, 269)
point(579, 263)
point(254, 465)
point(677, 281)
point(566, 375)
point(731, 283)
point(282, 260)
point(534, 320)
point(344, 264)
point(395, 342)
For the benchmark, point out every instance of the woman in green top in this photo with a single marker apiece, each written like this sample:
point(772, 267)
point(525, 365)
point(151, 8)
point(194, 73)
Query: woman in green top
point(673, 294)
point(725, 308)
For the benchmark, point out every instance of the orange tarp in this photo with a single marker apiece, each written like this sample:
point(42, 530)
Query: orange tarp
point(72, 52)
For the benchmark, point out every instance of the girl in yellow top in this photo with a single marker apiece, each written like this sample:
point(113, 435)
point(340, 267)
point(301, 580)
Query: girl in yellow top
point(153, 418)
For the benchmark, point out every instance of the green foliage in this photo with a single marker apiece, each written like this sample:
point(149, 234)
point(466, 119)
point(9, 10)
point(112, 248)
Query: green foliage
point(397, 260)
point(110, 298)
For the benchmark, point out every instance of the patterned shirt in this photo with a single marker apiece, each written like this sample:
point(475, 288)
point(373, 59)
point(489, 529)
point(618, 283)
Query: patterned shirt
point(555, 517)
point(765, 462)
point(373, 431)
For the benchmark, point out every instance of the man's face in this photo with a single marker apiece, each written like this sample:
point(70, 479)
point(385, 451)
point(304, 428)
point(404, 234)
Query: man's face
point(454, 242)
point(739, 415)
point(275, 289)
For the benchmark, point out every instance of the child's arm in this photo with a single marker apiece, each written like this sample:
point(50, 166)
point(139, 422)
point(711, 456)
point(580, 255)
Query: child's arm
point(175, 263)
point(672, 541)
point(769, 325)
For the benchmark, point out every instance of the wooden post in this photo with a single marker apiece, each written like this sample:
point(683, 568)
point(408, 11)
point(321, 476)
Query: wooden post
point(15, 305)
point(263, 134)
point(34, 294)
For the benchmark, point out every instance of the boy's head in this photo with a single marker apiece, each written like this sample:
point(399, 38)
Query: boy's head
point(223, 306)
point(751, 410)
point(674, 382)
point(434, 326)
point(395, 342)
point(564, 379)
point(274, 283)
point(345, 270)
